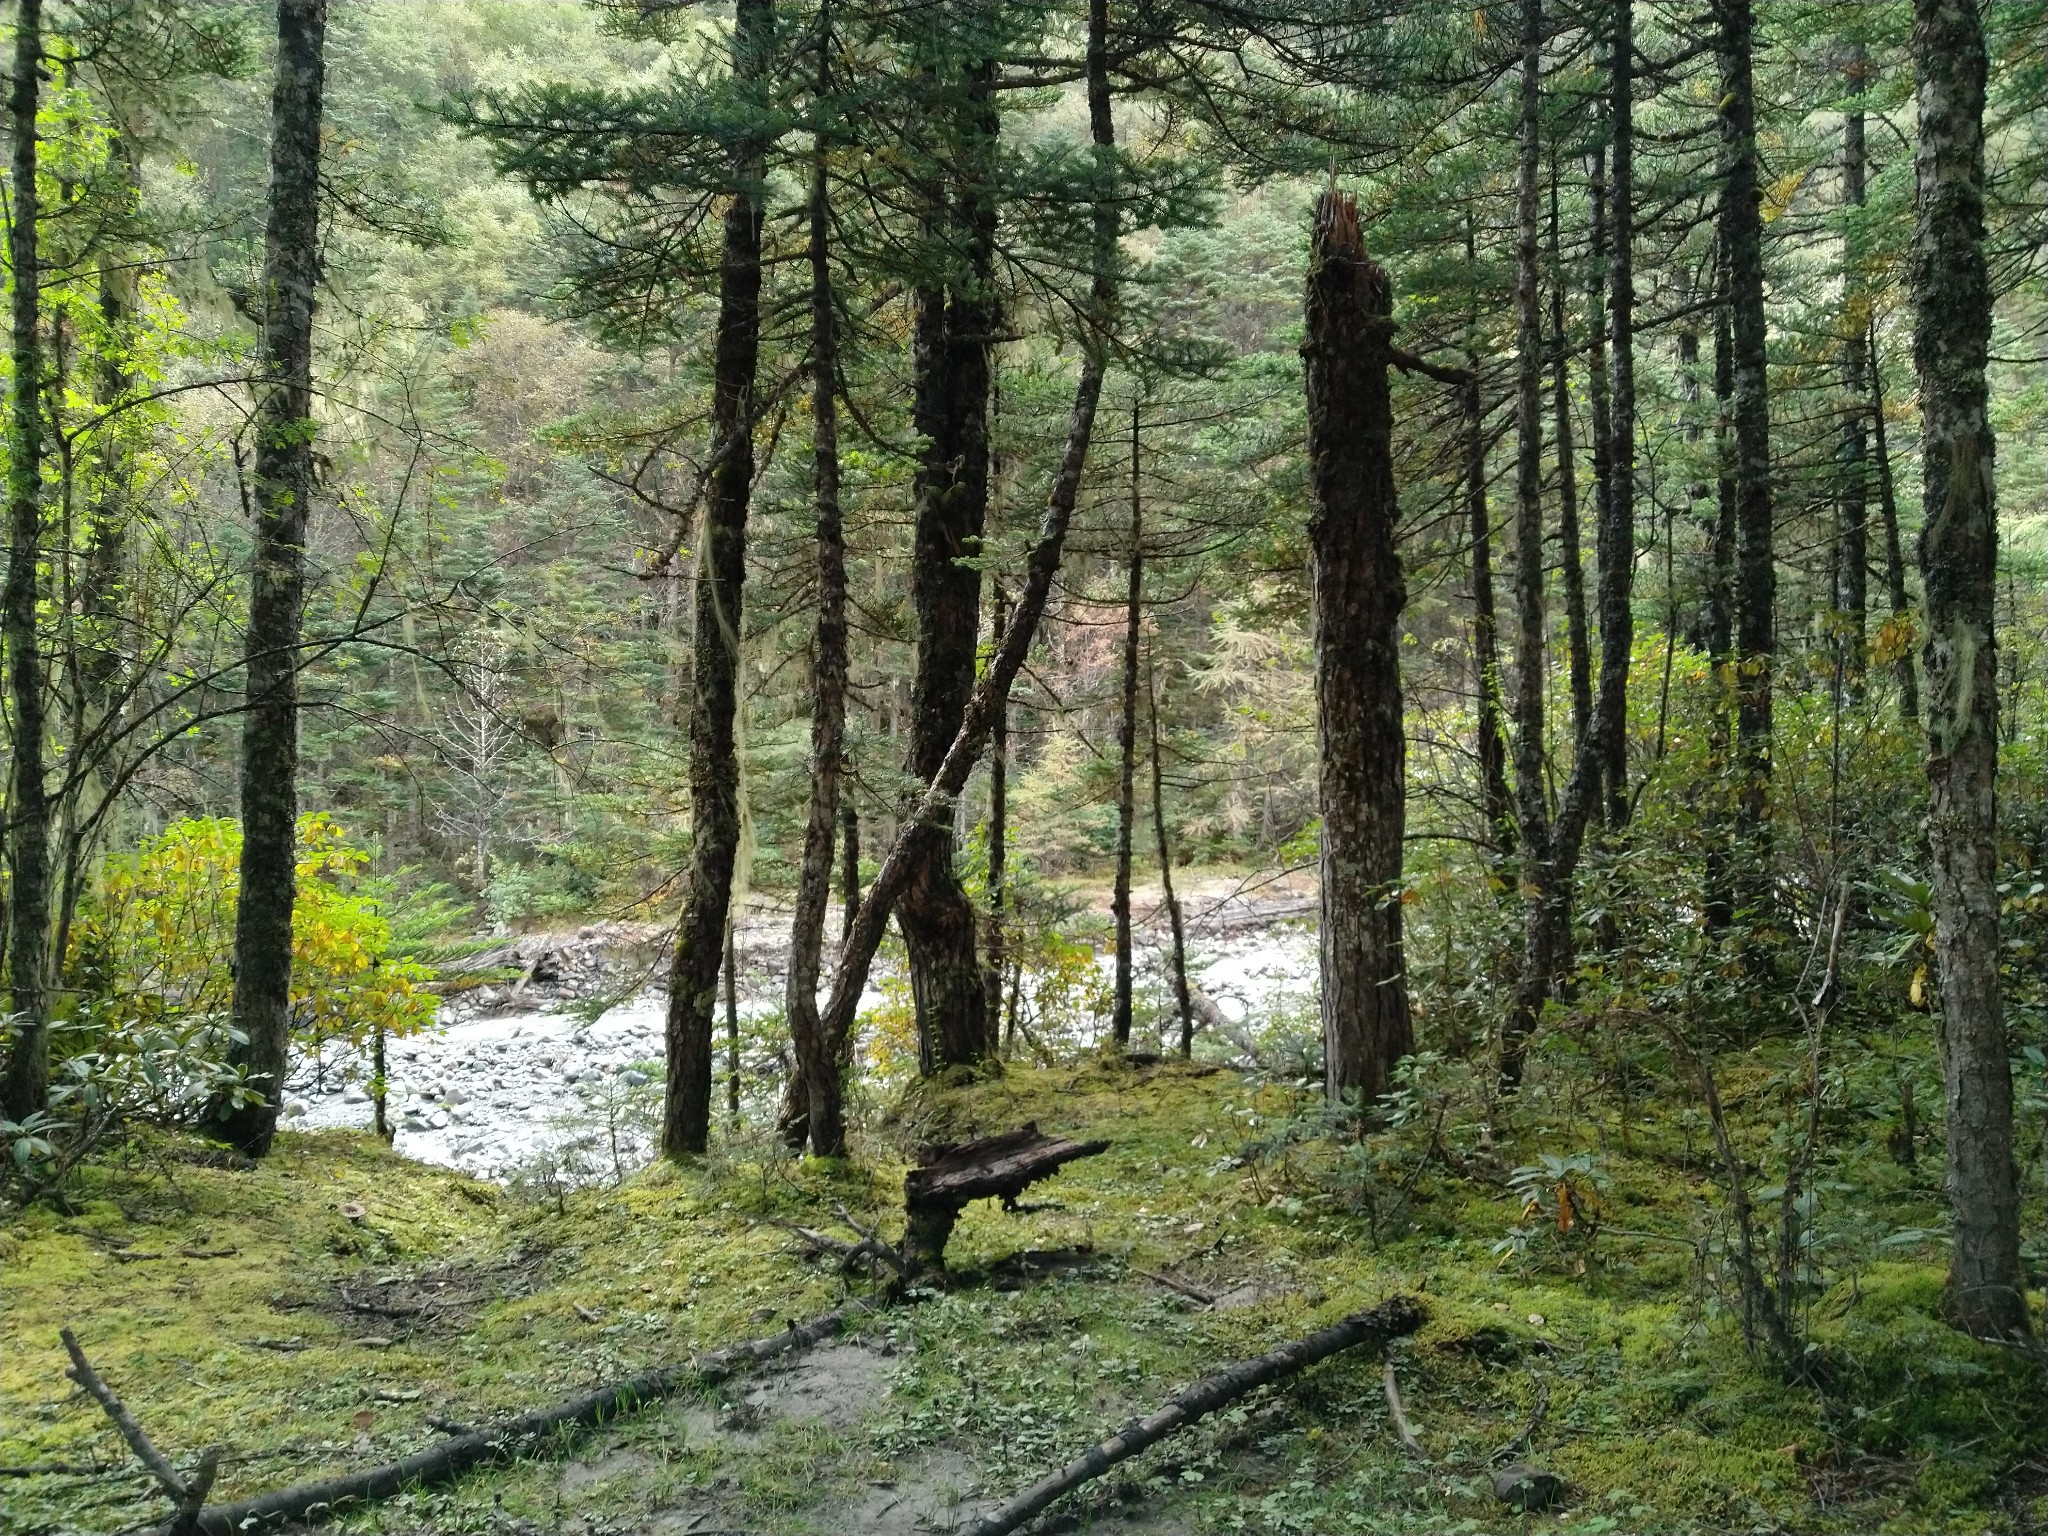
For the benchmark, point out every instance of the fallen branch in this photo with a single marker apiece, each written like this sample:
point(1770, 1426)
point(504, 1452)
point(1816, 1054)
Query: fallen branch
point(1390, 1319)
point(459, 1453)
point(1206, 1298)
point(1409, 1443)
point(1523, 1441)
point(187, 1496)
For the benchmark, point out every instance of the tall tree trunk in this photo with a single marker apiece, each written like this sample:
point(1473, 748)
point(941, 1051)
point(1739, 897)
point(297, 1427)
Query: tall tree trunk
point(1127, 753)
point(1545, 917)
point(1183, 999)
point(1894, 555)
point(1358, 593)
point(1616, 538)
point(1741, 228)
point(715, 647)
point(1550, 872)
point(929, 817)
point(28, 813)
point(1852, 524)
point(1494, 801)
point(1986, 1292)
point(849, 864)
point(1599, 395)
point(820, 1105)
point(731, 974)
point(277, 579)
point(954, 331)
point(994, 947)
point(1570, 540)
point(1717, 894)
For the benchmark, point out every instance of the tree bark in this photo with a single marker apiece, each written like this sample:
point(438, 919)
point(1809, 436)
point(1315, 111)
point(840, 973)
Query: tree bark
point(277, 579)
point(1127, 754)
point(1717, 893)
point(28, 813)
point(1986, 1293)
point(1550, 869)
point(1616, 538)
point(715, 650)
point(1741, 229)
point(1894, 555)
point(1358, 592)
point(822, 1118)
point(951, 343)
point(1570, 540)
point(930, 815)
point(994, 944)
point(1494, 800)
point(1183, 999)
point(1852, 524)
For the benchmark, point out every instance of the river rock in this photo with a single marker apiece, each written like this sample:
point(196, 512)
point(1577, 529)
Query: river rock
point(1525, 1487)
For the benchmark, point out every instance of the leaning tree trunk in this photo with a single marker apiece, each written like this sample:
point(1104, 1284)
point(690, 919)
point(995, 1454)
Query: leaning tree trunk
point(28, 812)
point(277, 579)
point(1742, 233)
point(1958, 564)
point(1852, 522)
point(1358, 592)
point(820, 1114)
point(952, 340)
point(1127, 756)
point(929, 815)
point(715, 648)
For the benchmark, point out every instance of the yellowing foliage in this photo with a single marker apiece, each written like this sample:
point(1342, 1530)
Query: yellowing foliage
point(159, 933)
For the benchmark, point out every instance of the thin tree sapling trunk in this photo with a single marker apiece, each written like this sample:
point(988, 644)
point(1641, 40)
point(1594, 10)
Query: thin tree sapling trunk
point(1357, 590)
point(1986, 1292)
point(994, 938)
point(277, 580)
point(1852, 522)
point(1570, 540)
point(1900, 602)
point(1183, 999)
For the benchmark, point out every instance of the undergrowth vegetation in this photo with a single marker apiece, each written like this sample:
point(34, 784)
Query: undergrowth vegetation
point(1575, 1267)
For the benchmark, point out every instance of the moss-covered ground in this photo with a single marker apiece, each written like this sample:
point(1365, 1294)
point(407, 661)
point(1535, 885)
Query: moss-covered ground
point(316, 1312)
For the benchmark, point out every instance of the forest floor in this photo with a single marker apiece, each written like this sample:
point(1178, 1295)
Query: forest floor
point(313, 1314)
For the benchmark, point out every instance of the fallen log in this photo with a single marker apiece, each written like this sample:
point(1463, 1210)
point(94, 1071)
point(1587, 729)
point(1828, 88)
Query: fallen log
point(1391, 1319)
point(999, 1167)
point(474, 1448)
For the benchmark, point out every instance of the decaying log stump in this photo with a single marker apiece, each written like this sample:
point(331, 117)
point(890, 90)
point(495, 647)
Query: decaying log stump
point(1001, 1167)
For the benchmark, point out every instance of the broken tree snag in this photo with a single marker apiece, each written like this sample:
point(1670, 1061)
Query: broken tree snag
point(1358, 592)
point(1001, 1167)
point(1391, 1319)
point(475, 1447)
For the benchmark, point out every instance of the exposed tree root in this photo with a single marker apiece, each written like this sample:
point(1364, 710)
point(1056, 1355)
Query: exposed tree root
point(1389, 1320)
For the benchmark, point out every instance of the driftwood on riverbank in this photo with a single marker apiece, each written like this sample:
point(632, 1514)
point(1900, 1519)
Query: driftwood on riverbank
point(1389, 1320)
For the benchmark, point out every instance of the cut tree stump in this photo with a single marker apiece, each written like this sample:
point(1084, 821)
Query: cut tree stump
point(996, 1167)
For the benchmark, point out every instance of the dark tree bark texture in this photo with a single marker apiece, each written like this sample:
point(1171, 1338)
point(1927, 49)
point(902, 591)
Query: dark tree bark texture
point(1742, 231)
point(1127, 752)
point(28, 813)
point(1358, 592)
point(817, 1071)
point(277, 581)
point(715, 653)
point(1986, 1292)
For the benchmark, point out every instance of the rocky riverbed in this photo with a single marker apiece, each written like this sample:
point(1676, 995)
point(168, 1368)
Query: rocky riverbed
point(557, 1075)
